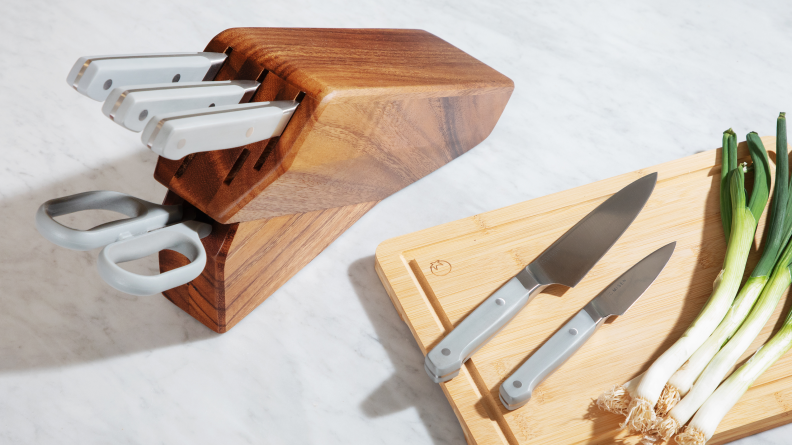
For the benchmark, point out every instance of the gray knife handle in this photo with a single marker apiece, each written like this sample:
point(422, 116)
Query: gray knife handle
point(517, 389)
point(444, 361)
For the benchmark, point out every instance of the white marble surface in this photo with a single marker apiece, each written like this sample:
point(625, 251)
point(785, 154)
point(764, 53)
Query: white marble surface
point(602, 88)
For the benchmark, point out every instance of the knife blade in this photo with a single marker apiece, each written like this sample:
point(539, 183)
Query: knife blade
point(94, 76)
point(565, 262)
point(132, 106)
point(614, 300)
point(175, 135)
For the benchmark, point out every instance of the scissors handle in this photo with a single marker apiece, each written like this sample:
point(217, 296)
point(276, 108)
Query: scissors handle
point(144, 216)
point(184, 238)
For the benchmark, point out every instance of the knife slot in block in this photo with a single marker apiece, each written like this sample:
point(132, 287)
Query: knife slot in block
point(274, 88)
point(266, 154)
point(184, 165)
point(237, 166)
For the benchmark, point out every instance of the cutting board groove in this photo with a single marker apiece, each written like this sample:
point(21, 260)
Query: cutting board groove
point(436, 277)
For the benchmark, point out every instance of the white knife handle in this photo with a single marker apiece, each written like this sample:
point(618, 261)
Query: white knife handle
point(518, 388)
point(176, 135)
point(444, 361)
point(96, 76)
point(184, 238)
point(133, 106)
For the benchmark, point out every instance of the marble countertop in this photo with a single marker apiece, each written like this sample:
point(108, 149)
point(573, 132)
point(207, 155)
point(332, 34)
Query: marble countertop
point(602, 88)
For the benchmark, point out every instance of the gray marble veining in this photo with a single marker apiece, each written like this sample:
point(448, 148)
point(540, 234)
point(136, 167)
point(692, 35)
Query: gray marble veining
point(602, 88)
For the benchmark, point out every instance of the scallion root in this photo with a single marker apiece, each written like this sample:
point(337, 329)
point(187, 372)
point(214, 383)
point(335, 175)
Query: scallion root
point(616, 400)
point(650, 439)
point(641, 416)
point(668, 399)
point(667, 427)
point(691, 436)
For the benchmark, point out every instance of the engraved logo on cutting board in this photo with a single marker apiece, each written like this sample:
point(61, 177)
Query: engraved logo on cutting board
point(440, 267)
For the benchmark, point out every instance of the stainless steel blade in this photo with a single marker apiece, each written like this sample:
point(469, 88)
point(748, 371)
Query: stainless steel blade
point(617, 298)
point(570, 258)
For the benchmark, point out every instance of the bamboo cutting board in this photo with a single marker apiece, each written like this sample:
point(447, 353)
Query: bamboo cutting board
point(435, 277)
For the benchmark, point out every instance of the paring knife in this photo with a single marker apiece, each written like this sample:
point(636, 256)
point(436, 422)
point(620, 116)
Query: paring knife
point(615, 300)
point(95, 76)
point(132, 106)
point(565, 262)
point(175, 135)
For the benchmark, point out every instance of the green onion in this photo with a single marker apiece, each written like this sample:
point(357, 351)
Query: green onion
point(641, 416)
point(706, 420)
point(779, 233)
point(717, 369)
point(680, 383)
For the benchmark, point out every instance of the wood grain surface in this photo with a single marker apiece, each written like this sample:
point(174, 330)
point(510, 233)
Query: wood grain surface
point(248, 261)
point(379, 109)
point(437, 276)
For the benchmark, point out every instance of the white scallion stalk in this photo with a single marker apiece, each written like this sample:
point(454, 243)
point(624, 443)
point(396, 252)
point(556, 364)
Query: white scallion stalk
point(706, 420)
point(683, 379)
point(641, 416)
point(726, 358)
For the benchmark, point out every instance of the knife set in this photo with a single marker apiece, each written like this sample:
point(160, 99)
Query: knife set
point(565, 262)
point(272, 143)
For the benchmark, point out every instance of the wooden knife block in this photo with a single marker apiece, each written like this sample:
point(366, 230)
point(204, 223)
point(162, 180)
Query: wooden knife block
point(379, 109)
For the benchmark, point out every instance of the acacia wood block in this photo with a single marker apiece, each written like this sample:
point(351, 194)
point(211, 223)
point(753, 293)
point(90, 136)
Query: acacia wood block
point(379, 109)
point(249, 261)
point(437, 276)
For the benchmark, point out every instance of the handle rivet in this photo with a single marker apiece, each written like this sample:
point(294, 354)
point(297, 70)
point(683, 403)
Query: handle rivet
point(573, 331)
point(500, 301)
point(517, 384)
point(176, 78)
point(211, 105)
point(181, 143)
point(249, 132)
point(446, 351)
point(143, 115)
point(108, 83)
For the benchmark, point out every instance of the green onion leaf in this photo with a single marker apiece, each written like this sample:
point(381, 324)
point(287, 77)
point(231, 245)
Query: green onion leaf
point(726, 167)
point(778, 222)
point(761, 188)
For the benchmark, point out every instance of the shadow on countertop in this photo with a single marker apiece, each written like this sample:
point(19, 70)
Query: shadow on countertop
point(409, 387)
point(57, 311)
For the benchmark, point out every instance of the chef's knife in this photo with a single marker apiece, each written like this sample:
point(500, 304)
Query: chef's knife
point(175, 135)
point(94, 76)
point(565, 262)
point(615, 300)
point(132, 106)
